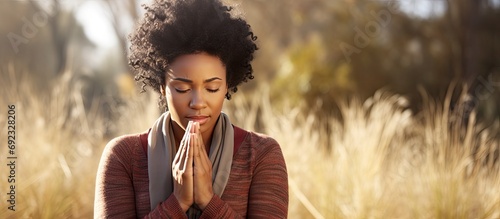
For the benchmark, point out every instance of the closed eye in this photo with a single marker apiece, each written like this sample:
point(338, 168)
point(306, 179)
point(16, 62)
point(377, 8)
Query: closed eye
point(213, 90)
point(181, 91)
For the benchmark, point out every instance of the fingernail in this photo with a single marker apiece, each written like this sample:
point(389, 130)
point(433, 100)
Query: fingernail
point(194, 126)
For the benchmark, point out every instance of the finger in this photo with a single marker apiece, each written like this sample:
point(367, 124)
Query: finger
point(176, 168)
point(182, 145)
point(183, 151)
point(195, 146)
point(203, 161)
point(199, 139)
point(188, 156)
point(197, 128)
point(180, 160)
point(200, 144)
point(179, 177)
point(176, 174)
point(194, 129)
point(178, 154)
point(197, 153)
point(183, 170)
point(191, 153)
point(185, 155)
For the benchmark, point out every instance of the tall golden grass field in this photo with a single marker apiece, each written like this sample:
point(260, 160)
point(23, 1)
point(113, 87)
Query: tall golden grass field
point(380, 160)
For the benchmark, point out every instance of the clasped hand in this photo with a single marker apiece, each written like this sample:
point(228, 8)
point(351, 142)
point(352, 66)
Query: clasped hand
point(192, 170)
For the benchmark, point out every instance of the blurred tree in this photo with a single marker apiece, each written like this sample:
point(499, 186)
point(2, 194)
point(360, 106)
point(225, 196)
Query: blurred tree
point(123, 15)
point(339, 48)
point(46, 49)
point(42, 40)
point(316, 51)
point(474, 34)
point(329, 60)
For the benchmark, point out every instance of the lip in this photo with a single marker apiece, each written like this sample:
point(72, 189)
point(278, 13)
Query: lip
point(200, 119)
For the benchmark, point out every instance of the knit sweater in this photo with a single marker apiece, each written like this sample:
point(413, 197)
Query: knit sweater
point(257, 185)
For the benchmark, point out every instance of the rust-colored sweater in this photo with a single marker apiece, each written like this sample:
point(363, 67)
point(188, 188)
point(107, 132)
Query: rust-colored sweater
point(257, 186)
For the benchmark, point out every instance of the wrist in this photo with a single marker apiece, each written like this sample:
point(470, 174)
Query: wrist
point(202, 206)
point(183, 206)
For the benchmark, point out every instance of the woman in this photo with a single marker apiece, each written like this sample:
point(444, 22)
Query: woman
point(192, 163)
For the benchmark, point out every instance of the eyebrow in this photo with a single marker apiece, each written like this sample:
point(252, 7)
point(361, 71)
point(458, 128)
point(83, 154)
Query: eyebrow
point(190, 81)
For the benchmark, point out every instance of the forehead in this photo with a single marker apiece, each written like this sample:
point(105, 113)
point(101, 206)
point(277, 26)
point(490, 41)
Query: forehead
point(200, 65)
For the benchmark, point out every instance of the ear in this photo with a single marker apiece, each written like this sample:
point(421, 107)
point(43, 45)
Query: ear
point(162, 90)
point(227, 89)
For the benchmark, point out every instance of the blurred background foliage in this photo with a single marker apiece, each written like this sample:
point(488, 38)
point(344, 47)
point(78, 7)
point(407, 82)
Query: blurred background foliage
point(315, 52)
point(353, 78)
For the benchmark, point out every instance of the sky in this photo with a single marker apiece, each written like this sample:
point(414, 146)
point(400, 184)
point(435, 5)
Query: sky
point(423, 8)
point(99, 30)
point(96, 24)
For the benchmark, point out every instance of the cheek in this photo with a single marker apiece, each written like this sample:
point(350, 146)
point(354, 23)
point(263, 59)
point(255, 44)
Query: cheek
point(174, 100)
point(178, 100)
point(219, 101)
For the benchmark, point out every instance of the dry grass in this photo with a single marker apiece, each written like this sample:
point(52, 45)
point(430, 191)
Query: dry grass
point(381, 162)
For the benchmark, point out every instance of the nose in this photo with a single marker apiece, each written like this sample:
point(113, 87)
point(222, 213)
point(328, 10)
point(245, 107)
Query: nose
point(197, 100)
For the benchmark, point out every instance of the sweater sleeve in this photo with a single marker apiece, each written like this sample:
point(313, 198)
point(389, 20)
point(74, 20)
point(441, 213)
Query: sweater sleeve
point(268, 195)
point(114, 193)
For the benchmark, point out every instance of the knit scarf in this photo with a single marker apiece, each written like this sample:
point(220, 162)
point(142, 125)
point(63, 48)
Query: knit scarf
point(162, 150)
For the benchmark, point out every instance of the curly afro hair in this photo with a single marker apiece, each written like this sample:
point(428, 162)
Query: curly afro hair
point(171, 28)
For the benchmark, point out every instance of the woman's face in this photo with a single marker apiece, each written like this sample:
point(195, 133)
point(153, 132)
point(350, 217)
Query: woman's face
point(195, 90)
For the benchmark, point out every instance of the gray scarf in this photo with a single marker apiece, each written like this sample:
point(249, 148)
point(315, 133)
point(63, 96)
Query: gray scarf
point(162, 150)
